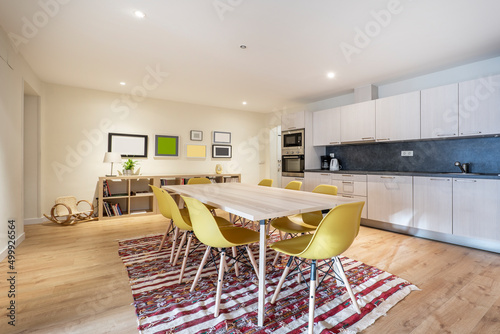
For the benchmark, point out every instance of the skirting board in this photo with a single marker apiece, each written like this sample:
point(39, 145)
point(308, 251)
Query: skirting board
point(5, 251)
point(483, 244)
point(33, 221)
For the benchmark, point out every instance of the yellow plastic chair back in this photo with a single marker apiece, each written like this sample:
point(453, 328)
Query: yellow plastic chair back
point(314, 218)
point(294, 185)
point(199, 180)
point(204, 225)
point(335, 233)
point(170, 210)
point(266, 182)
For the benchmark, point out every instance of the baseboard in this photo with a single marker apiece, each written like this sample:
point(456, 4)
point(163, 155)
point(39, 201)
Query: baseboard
point(33, 221)
point(5, 251)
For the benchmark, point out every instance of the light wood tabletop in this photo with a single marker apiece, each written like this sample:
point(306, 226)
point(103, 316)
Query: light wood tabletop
point(258, 203)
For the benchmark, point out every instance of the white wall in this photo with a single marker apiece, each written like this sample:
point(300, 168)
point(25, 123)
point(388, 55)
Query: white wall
point(32, 156)
point(77, 121)
point(13, 72)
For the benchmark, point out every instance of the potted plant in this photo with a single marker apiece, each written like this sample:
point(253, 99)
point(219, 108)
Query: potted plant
point(128, 166)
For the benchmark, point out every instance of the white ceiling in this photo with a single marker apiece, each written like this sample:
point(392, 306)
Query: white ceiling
point(291, 45)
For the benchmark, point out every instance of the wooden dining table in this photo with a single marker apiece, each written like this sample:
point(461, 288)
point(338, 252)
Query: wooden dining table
point(258, 203)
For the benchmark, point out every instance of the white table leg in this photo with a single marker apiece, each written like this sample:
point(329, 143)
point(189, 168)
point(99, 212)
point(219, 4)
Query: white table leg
point(262, 273)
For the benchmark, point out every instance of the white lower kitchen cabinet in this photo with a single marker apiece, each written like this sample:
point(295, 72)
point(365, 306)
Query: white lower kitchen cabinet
point(390, 199)
point(287, 179)
point(476, 208)
point(432, 204)
point(311, 180)
point(352, 186)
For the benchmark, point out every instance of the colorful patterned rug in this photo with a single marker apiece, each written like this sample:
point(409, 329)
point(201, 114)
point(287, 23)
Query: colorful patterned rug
point(164, 306)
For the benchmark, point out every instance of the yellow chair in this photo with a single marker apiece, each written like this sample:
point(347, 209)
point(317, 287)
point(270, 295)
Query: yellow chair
point(333, 236)
point(266, 182)
point(294, 185)
point(203, 180)
point(182, 221)
point(302, 223)
point(214, 236)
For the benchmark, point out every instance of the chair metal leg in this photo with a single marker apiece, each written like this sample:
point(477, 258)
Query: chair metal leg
point(312, 297)
point(184, 260)
point(236, 269)
point(282, 280)
point(200, 269)
point(347, 285)
point(174, 240)
point(183, 240)
point(165, 236)
point(252, 260)
point(220, 282)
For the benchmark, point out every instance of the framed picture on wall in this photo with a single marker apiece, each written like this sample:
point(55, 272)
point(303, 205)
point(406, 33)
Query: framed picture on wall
point(221, 137)
point(196, 135)
point(128, 145)
point(166, 146)
point(221, 151)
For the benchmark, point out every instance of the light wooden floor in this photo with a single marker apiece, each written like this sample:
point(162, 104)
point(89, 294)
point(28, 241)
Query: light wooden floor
point(71, 280)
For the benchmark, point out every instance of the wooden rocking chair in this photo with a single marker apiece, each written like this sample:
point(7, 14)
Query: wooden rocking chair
point(66, 211)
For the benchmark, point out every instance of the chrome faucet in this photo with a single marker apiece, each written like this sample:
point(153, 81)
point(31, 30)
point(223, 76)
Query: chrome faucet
point(463, 167)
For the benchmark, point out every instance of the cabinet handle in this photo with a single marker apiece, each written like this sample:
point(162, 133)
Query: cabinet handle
point(324, 174)
point(347, 175)
point(471, 133)
point(440, 179)
point(387, 177)
point(334, 142)
point(347, 196)
point(368, 138)
point(465, 181)
point(383, 139)
point(446, 134)
point(348, 182)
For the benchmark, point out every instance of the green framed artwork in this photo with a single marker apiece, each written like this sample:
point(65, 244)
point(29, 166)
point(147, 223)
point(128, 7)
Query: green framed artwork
point(166, 146)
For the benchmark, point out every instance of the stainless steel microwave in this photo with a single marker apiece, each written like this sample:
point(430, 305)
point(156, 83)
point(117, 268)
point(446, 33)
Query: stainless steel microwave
point(292, 142)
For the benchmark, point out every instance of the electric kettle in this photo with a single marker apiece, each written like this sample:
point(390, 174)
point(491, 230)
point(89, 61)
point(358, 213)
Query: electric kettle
point(334, 163)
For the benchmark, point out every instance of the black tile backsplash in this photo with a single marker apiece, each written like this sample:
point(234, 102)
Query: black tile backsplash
point(483, 154)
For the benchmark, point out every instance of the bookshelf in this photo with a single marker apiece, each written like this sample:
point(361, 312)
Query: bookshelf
point(121, 196)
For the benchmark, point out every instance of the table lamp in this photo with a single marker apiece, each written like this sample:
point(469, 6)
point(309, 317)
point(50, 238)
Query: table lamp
point(112, 157)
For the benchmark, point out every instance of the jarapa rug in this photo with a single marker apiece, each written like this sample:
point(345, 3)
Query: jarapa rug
point(164, 306)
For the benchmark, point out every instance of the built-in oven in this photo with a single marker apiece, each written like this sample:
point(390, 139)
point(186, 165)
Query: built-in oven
point(292, 153)
point(293, 165)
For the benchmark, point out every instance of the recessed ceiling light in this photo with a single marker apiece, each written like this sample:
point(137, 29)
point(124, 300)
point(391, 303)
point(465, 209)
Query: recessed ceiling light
point(139, 14)
point(330, 75)
point(243, 46)
point(244, 103)
point(123, 83)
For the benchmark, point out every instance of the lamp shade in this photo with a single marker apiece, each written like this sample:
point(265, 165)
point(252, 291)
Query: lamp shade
point(112, 157)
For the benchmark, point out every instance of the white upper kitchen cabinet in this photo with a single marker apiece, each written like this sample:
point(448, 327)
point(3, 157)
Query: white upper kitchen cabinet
point(357, 122)
point(390, 199)
point(326, 127)
point(479, 106)
point(439, 112)
point(432, 204)
point(398, 117)
point(292, 121)
point(476, 209)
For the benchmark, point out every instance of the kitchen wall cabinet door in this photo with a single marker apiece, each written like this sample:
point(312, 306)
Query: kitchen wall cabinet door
point(398, 117)
point(432, 204)
point(479, 106)
point(357, 122)
point(476, 209)
point(311, 180)
point(390, 199)
point(439, 112)
point(292, 121)
point(326, 127)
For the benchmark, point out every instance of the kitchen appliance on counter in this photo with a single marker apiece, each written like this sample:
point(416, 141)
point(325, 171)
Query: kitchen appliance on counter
point(325, 162)
point(334, 163)
point(292, 151)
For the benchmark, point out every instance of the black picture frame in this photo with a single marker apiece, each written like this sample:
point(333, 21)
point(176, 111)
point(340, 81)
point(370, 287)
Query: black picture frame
point(196, 135)
point(222, 151)
point(128, 145)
